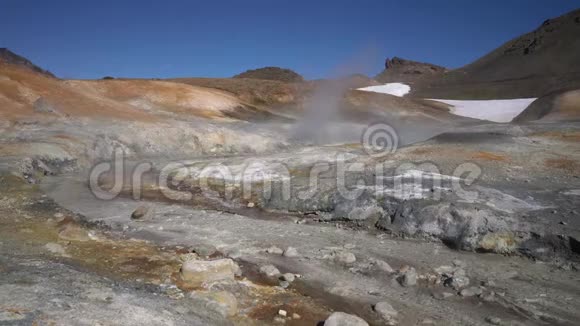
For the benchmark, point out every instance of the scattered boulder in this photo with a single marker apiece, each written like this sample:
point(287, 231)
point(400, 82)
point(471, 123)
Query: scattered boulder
point(471, 291)
point(291, 252)
point(355, 211)
point(196, 273)
point(344, 319)
point(288, 277)
point(143, 212)
point(344, 257)
point(407, 277)
point(204, 250)
point(493, 320)
point(55, 248)
point(274, 250)
point(457, 282)
point(383, 266)
point(488, 297)
point(222, 302)
point(386, 311)
point(269, 270)
point(73, 232)
point(442, 295)
point(33, 169)
point(500, 242)
point(41, 105)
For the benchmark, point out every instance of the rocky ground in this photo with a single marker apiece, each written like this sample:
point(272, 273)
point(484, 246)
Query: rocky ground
point(507, 257)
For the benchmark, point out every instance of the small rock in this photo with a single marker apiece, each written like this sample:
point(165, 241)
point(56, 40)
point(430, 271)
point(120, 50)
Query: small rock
point(445, 270)
point(383, 266)
point(488, 282)
point(282, 313)
point(279, 320)
point(143, 212)
point(250, 205)
point(408, 277)
point(386, 311)
point(493, 320)
point(222, 302)
point(72, 232)
point(284, 284)
point(427, 321)
point(344, 257)
point(471, 291)
point(442, 295)
point(274, 250)
point(204, 250)
point(457, 282)
point(199, 272)
point(43, 106)
point(269, 270)
point(344, 319)
point(188, 256)
point(288, 277)
point(291, 252)
point(488, 297)
point(296, 316)
point(55, 248)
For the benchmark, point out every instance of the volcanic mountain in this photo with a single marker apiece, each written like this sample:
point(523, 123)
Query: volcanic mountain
point(532, 65)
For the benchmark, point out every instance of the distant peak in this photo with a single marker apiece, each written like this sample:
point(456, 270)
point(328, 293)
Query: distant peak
point(398, 61)
point(272, 73)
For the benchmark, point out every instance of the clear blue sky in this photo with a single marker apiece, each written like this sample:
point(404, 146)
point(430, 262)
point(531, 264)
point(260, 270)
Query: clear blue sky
point(91, 39)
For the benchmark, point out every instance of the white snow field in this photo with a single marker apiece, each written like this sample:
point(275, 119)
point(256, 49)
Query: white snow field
point(397, 89)
point(492, 110)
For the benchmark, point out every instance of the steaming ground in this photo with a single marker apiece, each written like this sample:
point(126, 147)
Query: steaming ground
point(411, 249)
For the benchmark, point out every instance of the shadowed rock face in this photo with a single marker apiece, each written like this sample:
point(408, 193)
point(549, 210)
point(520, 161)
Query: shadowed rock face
point(559, 105)
point(9, 57)
point(531, 65)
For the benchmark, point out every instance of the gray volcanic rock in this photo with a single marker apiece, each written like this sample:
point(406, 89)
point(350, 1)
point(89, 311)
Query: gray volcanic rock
point(402, 70)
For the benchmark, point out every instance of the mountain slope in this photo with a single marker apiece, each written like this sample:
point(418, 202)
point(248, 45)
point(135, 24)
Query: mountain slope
point(9, 57)
point(534, 64)
point(272, 73)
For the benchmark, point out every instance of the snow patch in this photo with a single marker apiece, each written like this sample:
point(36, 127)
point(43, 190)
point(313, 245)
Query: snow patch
point(492, 110)
point(396, 89)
